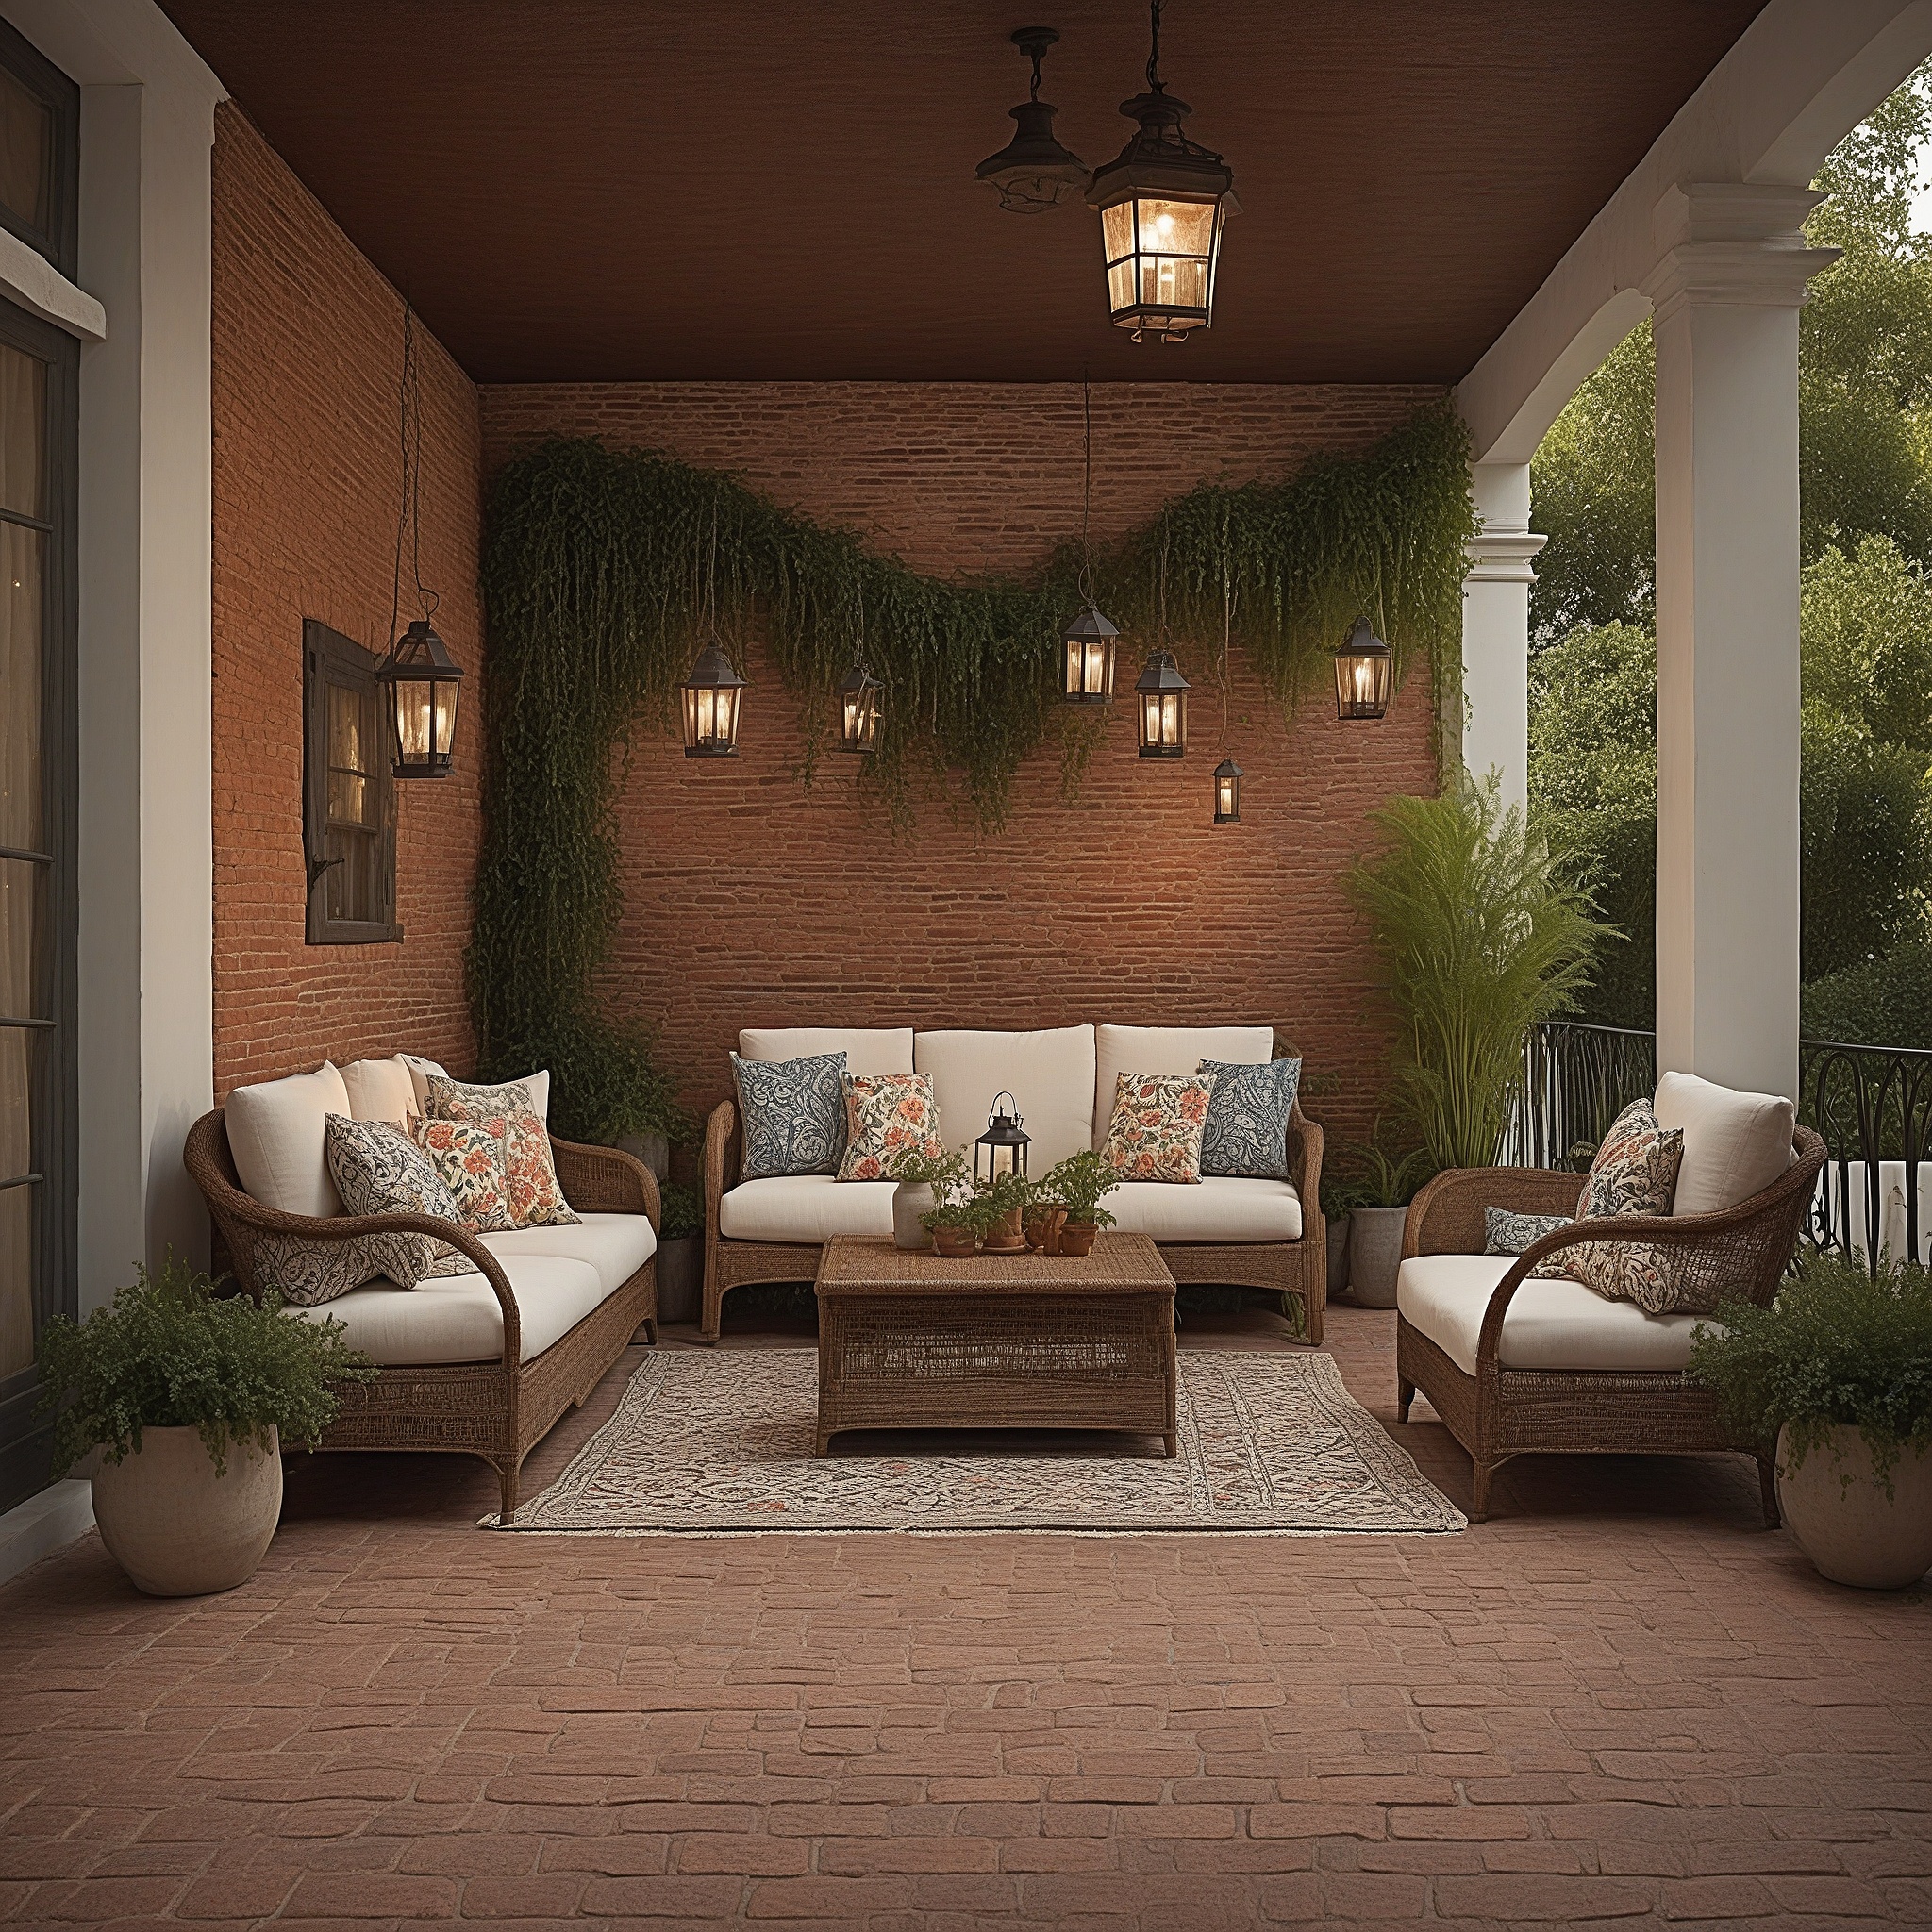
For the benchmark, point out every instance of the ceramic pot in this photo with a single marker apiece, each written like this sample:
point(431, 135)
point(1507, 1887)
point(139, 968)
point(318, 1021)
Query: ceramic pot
point(176, 1527)
point(1338, 1254)
point(1374, 1254)
point(1044, 1226)
point(910, 1199)
point(954, 1243)
point(1844, 1521)
point(681, 1277)
point(1007, 1236)
point(652, 1149)
point(1076, 1237)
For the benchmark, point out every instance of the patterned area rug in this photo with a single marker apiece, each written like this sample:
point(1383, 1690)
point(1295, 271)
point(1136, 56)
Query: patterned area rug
point(715, 1442)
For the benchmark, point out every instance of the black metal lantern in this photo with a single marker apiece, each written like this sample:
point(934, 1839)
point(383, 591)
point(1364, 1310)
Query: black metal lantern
point(1227, 792)
point(1364, 674)
point(1001, 1149)
point(1162, 200)
point(419, 681)
point(711, 701)
point(1033, 172)
point(858, 711)
point(1163, 695)
point(1087, 672)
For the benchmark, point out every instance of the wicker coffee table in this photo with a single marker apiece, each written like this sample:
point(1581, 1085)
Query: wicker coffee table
point(909, 1340)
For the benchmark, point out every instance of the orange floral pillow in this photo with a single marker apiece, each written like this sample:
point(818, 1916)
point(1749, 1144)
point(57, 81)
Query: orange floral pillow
point(505, 1112)
point(468, 1159)
point(1155, 1134)
point(887, 1115)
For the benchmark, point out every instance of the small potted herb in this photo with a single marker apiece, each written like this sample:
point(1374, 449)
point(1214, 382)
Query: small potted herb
point(680, 1253)
point(1837, 1372)
point(923, 1178)
point(954, 1224)
point(1077, 1184)
point(190, 1396)
point(1379, 1191)
point(1006, 1201)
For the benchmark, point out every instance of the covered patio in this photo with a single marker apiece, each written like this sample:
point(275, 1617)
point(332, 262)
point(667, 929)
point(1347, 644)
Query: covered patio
point(590, 336)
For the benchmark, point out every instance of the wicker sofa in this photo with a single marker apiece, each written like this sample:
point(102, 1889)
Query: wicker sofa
point(479, 1364)
point(1251, 1233)
point(1516, 1366)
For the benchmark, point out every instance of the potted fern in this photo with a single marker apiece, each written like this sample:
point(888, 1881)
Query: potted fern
point(190, 1397)
point(1078, 1184)
point(1837, 1373)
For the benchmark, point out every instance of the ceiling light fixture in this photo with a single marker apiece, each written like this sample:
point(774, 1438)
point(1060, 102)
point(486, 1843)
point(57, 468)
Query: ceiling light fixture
point(1033, 172)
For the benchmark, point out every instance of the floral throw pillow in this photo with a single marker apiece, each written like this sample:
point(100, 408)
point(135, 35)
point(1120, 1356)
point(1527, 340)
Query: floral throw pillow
point(1158, 1119)
point(887, 1115)
point(793, 1113)
point(1506, 1232)
point(468, 1159)
point(1247, 1118)
point(536, 1200)
point(378, 1169)
point(1635, 1172)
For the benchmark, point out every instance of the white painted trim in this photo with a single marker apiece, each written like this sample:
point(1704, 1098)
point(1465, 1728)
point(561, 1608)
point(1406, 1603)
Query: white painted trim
point(27, 277)
point(44, 1524)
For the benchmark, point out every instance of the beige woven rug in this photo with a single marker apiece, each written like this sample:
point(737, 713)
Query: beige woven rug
point(715, 1442)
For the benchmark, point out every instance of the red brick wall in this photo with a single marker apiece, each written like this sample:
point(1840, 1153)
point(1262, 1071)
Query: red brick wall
point(750, 900)
point(306, 359)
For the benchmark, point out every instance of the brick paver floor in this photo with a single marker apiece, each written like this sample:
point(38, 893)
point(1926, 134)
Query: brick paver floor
point(1621, 1700)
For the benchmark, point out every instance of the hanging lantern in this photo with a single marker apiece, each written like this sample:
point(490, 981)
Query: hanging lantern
point(419, 681)
point(1162, 202)
point(858, 711)
point(1163, 695)
point(1087, 675)
point(1227, 792)
point(1001, 1149)
point(1033, 172)
point(1364, 674)
point(711, 694)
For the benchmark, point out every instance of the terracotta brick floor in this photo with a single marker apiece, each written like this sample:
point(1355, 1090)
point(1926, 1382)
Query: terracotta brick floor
point(1620, 1701)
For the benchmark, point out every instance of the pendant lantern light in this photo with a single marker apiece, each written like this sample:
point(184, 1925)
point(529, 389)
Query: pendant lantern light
point(711, 697)
point(858, 711)
point(1163, 695)
point(1033, 172)
point(1364, 674)
point(1087, 645)
point(1227, 792)
point(1163, 200)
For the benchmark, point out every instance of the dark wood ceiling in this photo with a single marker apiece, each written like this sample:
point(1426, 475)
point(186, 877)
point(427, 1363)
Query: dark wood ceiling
point(627, 188)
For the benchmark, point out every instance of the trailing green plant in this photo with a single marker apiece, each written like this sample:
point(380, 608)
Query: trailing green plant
point(1838, 1347)
point(168, 1353)
point(1078, 1184)
point(601, 568)
point(1483, 933)
point(683, 1211)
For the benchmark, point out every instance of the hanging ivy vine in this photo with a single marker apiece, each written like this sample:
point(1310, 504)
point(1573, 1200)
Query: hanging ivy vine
point(603, 568)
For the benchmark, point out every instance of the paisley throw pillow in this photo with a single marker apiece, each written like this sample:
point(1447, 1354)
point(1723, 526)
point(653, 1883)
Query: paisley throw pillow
point(468, 1159)
point(1506, 1232)
point(1247, 1118)
point(887, 1115)
point(1635, 1172)
point(507, 1111)
point(1155, 1134)
point(793, 1113)
point(306, 1274)
point(378, 1169)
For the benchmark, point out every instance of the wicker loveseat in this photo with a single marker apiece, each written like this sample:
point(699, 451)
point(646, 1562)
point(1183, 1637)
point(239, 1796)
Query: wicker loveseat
point(1265, 1234)
point(1516, 1366)
point(479, 1364)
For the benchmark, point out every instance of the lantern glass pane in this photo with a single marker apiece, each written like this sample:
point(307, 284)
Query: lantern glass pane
point(445, 704)
point(1176, 240)
point(1099, 668)
point(1117, 230)
point(1150, 717)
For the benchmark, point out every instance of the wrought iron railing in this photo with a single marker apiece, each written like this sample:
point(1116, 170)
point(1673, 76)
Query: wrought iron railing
point(1871, 1105)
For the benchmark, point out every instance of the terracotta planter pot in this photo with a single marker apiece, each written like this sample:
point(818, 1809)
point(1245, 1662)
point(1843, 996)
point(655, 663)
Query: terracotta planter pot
point(681, 1277)
point(910, 1199)
point(1076, 1237)
point(954, 1243)
point(1007, 1236)
point(176, 1527)
point(1044, 1226)
point(1374, 1254)
point(1844, 1521)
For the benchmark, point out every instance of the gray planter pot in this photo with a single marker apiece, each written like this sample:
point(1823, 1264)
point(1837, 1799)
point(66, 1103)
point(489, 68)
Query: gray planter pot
point(680, 1278)
point(654, 1150)
point(1374, 1254)
point(910, 1199)
point(1338, 1254)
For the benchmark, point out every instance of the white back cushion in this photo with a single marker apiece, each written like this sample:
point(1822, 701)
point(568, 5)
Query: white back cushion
point(275, 1134)
point(421, 1072)
point(380, 1090)
point(1167, 1050)
point(1049, 1074)
point(1734, 1143)
point(867, 1049)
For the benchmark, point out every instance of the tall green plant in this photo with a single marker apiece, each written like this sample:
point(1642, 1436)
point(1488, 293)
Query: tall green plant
point(1482, 936)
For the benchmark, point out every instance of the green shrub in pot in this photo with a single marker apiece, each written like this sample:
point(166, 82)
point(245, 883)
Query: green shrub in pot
point(1078, 1184)
point(1837, 1372)
point(1378, 1185)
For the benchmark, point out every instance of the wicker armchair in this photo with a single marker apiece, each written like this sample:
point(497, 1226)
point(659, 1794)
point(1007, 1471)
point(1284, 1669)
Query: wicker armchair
point(496, 1410)
point(1500, 1412)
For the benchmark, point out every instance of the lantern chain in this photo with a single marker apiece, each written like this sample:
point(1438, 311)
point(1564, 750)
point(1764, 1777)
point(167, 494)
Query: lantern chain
point(1153, 79)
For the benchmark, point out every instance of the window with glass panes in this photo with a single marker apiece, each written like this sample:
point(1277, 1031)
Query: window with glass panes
point(349, 812)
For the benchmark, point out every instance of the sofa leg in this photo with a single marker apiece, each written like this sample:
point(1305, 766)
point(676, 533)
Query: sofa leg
point(1404, 1395)
point(1481, 1473)
point(1313, 1306)
point(507, 1474)
point(1767, 1490)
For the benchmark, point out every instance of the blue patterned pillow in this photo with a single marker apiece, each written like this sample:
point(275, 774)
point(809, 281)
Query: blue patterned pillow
point(1247, 1118)
point(793, 1113)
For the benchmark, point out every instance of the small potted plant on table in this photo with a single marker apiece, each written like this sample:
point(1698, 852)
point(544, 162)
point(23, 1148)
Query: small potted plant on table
point(1004, 1202)
point(923, 1179)
point(1078, 1184)
point(190, 1397)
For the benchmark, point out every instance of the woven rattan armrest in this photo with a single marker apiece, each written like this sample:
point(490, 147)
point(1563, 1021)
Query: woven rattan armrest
point(1304, 1161)
point(606, 1180)
point(720, 1156)
point(1446, 1217)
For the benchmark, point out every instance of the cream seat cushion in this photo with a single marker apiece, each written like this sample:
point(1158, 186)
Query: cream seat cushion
point(616, 1245)
point(1735, 1145)
point(1550, 1324)
point(867, 1049)
point(1049, 1074)
point(804, 1207)
point(1222, 1209)
point(1118, 1050)
point(275, 1133)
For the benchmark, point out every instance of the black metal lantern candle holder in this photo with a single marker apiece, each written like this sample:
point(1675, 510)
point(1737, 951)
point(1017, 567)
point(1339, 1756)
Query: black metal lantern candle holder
point(1227, 792)
point(1364, 674)
point(1086, 671)
point(1001, 1149)
point(711, 695)
point(858, 711)
point(419, 681)
point(1163, 692)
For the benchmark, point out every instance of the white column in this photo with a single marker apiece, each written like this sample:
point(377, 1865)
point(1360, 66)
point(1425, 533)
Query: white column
point(1727, 294)
point(1495, 629)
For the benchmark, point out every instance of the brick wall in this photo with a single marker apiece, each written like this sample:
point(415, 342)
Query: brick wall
point(306, 359)
point(751, 900)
